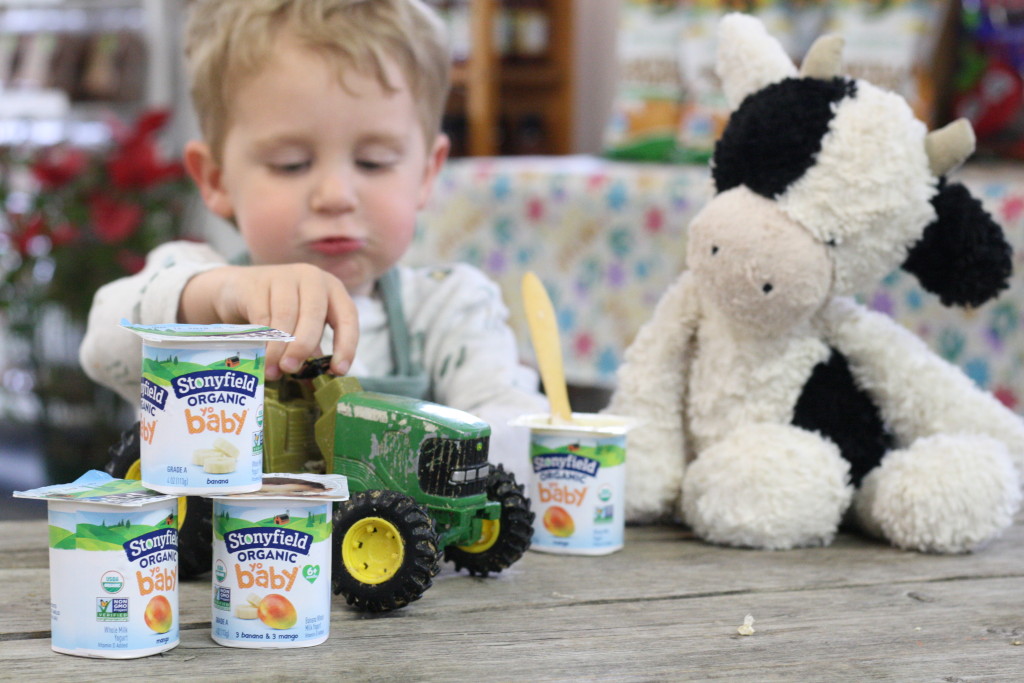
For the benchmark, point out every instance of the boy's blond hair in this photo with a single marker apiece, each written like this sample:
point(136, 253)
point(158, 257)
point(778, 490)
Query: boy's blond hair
point(230, 40)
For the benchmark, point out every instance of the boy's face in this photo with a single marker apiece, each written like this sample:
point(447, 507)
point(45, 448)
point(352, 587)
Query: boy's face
point(319, 173)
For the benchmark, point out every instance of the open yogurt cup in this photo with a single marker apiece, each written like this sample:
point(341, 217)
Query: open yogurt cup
point(577, 482)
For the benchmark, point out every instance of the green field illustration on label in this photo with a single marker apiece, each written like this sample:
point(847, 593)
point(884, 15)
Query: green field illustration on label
point(103, 536)
point(166, 370)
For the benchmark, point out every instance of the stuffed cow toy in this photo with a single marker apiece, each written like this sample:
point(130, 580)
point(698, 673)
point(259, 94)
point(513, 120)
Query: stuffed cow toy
point(772, 407)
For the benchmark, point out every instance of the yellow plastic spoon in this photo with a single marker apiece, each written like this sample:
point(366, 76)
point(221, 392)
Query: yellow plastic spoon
point(540, 315)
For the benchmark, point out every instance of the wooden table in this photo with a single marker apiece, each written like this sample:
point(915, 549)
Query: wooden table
point(666, 607)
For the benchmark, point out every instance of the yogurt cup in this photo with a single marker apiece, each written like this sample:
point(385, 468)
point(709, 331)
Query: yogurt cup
point(113, 567)
point(272, 562)
point(577, 483)
point(201, 407)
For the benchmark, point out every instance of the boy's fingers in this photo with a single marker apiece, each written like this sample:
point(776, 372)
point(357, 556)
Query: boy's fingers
point(252, 301)
point(285, 299)
point(309, 327)
point(344, 320)
point(271, 370)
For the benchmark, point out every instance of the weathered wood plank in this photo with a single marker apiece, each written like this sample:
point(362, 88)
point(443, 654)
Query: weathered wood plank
point(850, 558)
point(666, 607)
point(918, 631)
point(659, 561)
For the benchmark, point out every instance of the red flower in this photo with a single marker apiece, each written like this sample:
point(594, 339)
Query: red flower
point(63, 234)
point(22, 236)
point(106, 205)
point(137, 165)
point(57, 166)
point(113, 221)
point(136, 161)
point(151, 122)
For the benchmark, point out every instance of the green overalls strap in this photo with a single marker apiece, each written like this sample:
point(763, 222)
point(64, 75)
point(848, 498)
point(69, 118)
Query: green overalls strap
point(407, 378)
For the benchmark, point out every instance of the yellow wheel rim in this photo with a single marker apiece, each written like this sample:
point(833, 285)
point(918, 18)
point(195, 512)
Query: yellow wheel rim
point(135, 472)
point(490, 529)
point(372, 550)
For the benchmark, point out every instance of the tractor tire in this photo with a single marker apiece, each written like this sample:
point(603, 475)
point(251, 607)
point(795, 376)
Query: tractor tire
point(385, 550)
point(195, 513)
point(503, 542)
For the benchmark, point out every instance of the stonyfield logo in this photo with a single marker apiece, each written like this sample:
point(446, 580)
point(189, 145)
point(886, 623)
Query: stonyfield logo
point(150, 543)
point(154, 394)
point(216, 380)
point(565, 461)
point(278, 539)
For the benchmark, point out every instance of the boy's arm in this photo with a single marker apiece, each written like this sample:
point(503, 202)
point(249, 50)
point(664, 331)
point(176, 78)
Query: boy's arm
point(473, 359)
point(111, 355)
point(189, 282)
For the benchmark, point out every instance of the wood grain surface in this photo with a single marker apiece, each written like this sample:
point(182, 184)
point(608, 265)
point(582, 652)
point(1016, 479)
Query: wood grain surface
point(666, 607)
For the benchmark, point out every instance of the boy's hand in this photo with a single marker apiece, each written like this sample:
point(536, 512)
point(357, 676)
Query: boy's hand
point(297, 298)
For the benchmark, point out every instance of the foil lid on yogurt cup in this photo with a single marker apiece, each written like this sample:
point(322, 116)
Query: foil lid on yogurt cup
point(206, 333)
point(98, 488)
point(289, 486)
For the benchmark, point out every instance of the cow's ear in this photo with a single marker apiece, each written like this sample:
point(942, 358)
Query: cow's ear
point(748, 58)
point(963, 256)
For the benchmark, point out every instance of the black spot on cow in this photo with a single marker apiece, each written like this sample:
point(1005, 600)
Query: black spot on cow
point(775, 134)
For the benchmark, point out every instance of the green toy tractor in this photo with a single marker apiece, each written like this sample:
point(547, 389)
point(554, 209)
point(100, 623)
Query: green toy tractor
point(420, 484)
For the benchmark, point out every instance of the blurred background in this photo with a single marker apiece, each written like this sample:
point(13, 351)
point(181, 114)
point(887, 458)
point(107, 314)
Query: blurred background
point(594, 118)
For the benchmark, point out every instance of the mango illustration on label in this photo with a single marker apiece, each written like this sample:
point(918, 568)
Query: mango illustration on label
point(159, 615)
point(559, 522)
point(276, 611)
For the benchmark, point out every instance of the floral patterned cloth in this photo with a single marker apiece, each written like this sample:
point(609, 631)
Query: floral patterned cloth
point(607, 238)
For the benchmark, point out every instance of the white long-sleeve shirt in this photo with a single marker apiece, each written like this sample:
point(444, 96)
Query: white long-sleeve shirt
point(455, 316)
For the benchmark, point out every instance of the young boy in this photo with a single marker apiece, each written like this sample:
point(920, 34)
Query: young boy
point(320, 123)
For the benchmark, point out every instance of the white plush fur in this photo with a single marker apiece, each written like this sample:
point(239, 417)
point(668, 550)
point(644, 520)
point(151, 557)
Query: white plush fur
point(714, 376)
point(733, 267)
point(656, 397)
point(767, 486)
point(748, 58)
point(919, 393)
point(753, 350)
point(949, 493)
point(870, 189)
